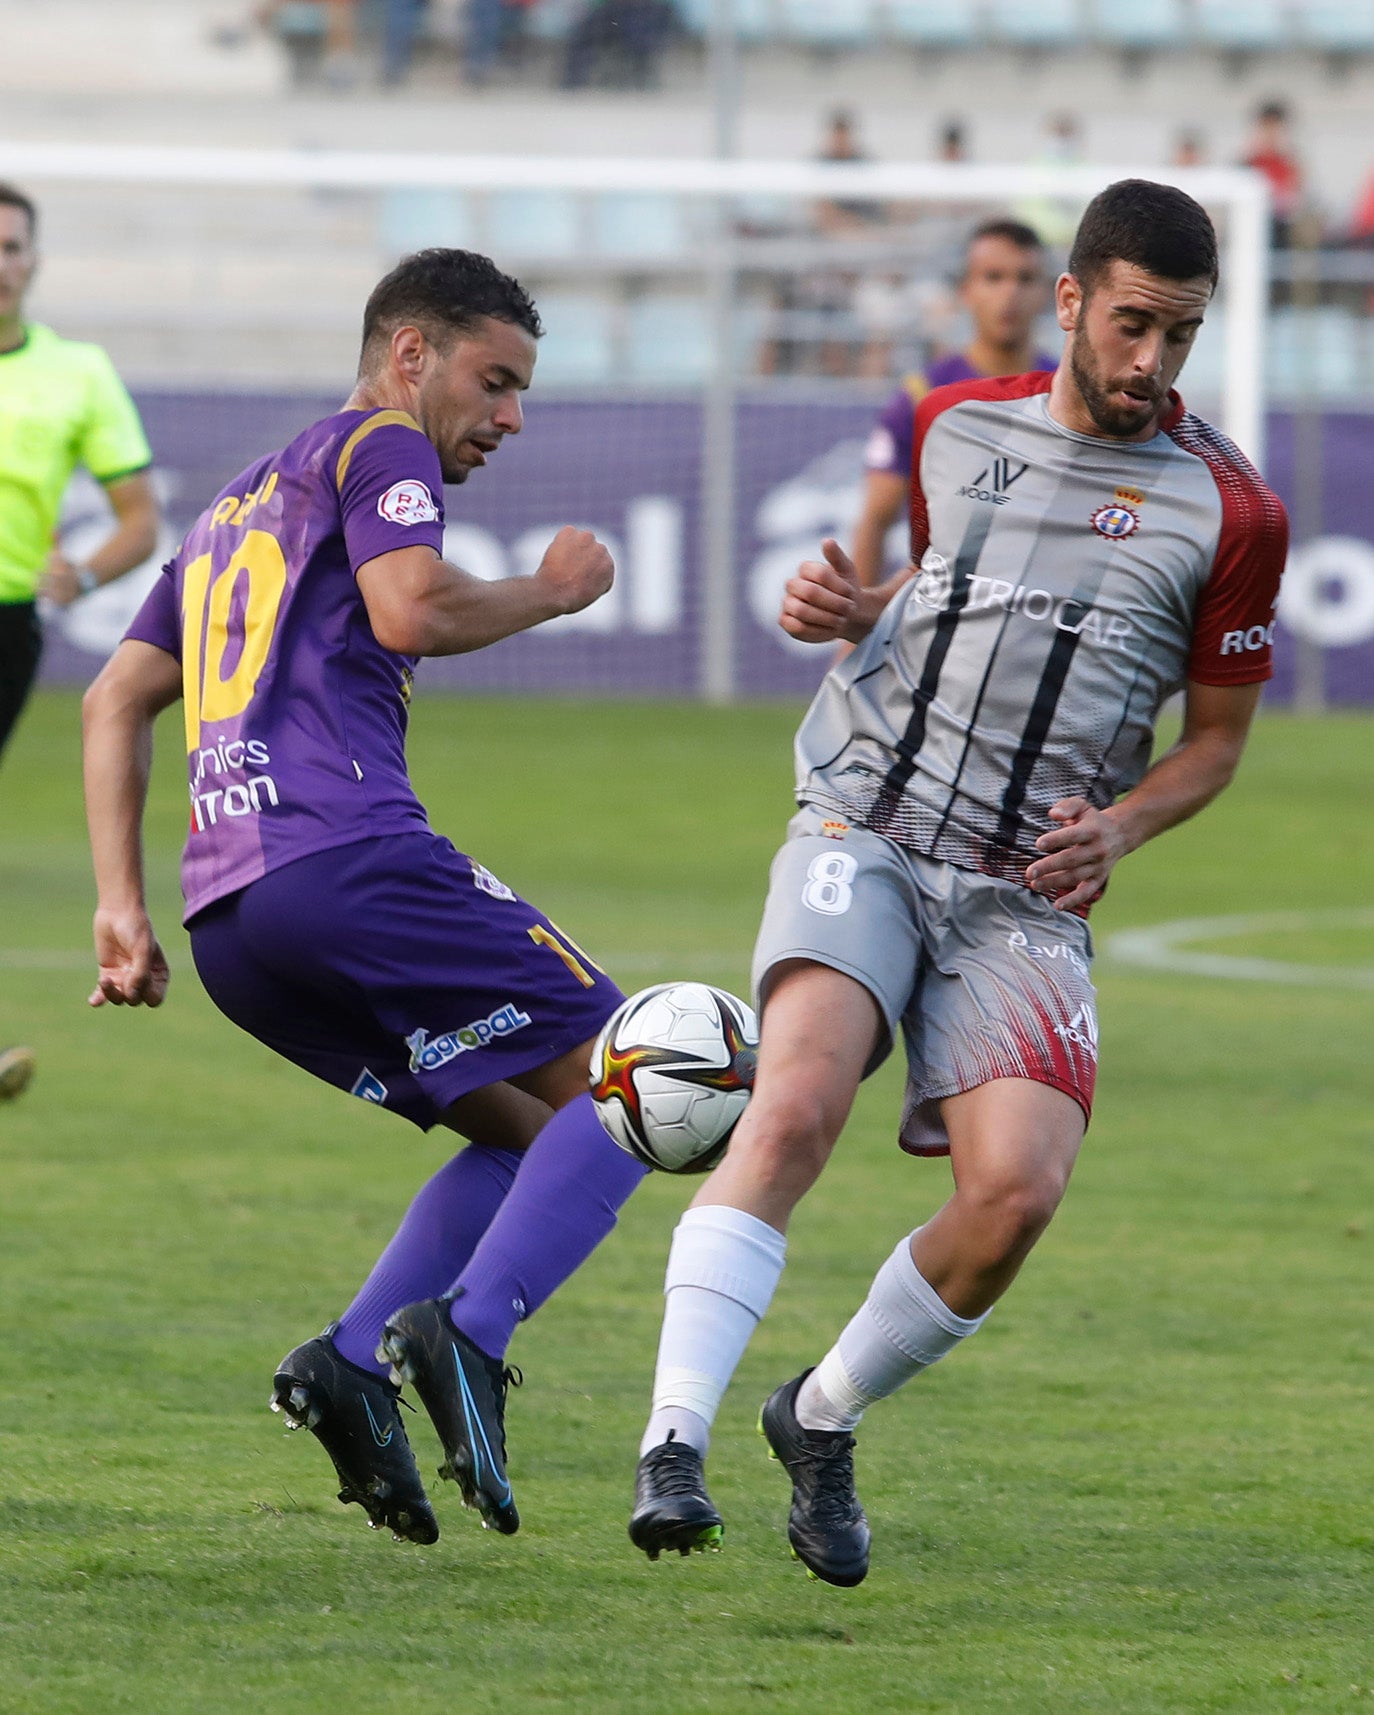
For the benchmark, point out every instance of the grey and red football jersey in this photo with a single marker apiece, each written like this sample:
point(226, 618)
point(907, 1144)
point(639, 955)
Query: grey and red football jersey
point(1067, 586)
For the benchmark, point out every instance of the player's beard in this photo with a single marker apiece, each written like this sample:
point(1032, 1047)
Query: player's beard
point(1118, 421)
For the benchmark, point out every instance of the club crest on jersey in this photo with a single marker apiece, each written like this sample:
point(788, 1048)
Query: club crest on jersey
point(834, 830)
point(1116, 521)
point(408, 502)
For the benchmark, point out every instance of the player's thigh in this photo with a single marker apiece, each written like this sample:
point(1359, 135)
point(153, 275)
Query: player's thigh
point(841, 898)
point(1014, 1139)
point(818, 1036)
point(1006, 993)
point(325, 1033)
point(21, 644)
point(499, 1116)
point(560, 1081)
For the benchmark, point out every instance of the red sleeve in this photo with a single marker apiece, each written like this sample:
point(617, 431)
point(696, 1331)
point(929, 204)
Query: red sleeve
point(1233, 626)
point(940, 399)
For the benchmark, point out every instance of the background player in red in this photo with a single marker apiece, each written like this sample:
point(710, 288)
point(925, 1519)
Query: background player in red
point(325, 915)
point(969, 777)
point(1004, 288)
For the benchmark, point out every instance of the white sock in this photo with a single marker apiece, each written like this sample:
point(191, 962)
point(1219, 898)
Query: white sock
point(903, 1327)
point(722, 1270)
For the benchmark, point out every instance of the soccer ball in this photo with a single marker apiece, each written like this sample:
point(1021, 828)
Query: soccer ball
point(671, 1074)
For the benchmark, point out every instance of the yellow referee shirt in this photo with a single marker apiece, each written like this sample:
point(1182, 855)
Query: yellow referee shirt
point(61, 405)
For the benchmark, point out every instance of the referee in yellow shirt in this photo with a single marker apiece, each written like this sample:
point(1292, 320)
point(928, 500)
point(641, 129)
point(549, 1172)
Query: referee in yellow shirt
point(61, 404)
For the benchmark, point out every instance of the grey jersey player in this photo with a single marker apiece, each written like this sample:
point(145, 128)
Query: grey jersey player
point(968, 778)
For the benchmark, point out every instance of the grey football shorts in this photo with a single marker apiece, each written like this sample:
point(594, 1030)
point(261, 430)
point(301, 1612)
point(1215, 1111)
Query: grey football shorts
point(985, 978)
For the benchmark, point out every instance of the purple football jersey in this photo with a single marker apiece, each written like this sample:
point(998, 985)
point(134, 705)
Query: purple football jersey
point(295, 714)
point(889, 445)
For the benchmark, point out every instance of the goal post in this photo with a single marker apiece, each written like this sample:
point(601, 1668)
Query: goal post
point(720, 250)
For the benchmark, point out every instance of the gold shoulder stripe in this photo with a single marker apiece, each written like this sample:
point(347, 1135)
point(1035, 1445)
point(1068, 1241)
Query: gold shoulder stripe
point(378, 420)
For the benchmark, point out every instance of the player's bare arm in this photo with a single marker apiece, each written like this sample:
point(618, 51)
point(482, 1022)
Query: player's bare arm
point(117, 713)
point(130, 543)
point(826, 601)
point(1082, 852)
point(885, 500)
point(421, 605)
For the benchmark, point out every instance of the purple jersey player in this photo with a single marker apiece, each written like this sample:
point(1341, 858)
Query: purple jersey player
point(1004, 289)
point(326, 917)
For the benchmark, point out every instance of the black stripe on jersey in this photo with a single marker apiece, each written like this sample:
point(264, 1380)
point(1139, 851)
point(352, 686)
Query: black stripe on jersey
point(1047, 694)
point(909, 745)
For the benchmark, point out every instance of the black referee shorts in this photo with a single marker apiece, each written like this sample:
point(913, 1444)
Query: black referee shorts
point(21, 643)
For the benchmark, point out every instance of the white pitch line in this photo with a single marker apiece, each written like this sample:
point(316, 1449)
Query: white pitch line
point(1163, 947)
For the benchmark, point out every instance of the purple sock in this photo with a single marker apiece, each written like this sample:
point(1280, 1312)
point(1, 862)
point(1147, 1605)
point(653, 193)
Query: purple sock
point(563, 1203)
point(440, 1230)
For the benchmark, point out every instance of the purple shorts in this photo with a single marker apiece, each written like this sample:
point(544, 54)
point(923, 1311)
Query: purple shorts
point(399, 970)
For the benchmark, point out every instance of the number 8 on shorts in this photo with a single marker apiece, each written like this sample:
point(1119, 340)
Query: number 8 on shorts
point(827, 888)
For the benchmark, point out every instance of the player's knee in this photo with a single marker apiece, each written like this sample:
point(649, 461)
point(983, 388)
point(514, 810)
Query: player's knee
point(788, 1142)
point(1014, 1212)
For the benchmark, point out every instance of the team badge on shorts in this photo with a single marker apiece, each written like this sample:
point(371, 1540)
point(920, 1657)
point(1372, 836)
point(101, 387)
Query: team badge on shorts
point(369, 1087)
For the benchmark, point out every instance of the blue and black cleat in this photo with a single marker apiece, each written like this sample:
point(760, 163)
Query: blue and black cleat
point(464, 1392)
point(354, 1416)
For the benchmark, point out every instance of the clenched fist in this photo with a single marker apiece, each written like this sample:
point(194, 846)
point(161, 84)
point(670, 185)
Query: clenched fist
point(576, 569)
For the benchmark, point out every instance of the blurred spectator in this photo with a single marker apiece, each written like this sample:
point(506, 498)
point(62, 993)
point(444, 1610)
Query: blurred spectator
point(1188, 150)
point(841, 143)
point(1270, 151)
point(1362, 221)
point(952, 141)
point(400, 26)
point(618, 41)
point(494, 30)
point(1055, 218)
point(815, 330)
point(320, 37)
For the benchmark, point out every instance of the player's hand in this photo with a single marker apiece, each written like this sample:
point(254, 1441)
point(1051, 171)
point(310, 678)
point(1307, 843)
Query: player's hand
point(821, 602)
point(59, 584)
point(1079, 854)
point(576, 569)
point(133, 967)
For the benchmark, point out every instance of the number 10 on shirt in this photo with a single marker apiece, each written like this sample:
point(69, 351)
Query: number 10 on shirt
point(206, 604)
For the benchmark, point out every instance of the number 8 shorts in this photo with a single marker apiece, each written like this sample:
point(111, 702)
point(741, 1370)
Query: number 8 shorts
point(985, 978)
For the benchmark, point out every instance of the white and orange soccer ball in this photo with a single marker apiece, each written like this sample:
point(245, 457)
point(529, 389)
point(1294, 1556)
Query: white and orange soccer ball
point(671, 1074)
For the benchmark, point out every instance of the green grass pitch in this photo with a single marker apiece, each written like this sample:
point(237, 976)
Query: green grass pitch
point(1145, 1487)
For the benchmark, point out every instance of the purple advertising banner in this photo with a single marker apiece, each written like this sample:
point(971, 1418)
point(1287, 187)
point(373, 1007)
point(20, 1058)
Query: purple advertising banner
point(631, 470)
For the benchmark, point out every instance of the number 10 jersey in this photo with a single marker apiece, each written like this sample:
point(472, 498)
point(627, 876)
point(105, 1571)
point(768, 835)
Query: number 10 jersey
point(295, 714)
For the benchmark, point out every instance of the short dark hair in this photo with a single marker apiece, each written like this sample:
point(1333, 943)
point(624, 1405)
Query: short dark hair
point(12, 197)
point(1014, 231)
point(1157, 227)
point(445, 293)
